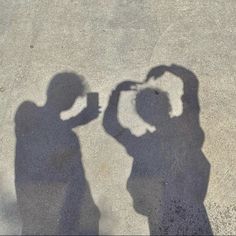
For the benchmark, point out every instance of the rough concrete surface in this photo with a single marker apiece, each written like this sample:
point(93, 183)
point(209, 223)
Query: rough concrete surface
point(108, 42)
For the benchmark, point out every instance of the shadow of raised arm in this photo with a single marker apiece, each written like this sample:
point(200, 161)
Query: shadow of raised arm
point(83, 118)
point(111, 123)
point(190, 83)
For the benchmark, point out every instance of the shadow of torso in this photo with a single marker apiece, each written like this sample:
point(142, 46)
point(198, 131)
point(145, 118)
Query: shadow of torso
point(52, 192)
point(169, 178)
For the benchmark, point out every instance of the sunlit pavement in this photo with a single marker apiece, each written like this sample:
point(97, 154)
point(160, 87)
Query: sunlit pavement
point(108, 42)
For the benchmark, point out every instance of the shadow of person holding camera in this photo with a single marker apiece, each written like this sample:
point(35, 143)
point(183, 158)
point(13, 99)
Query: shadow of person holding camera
point(53, 194)
point(170, 174)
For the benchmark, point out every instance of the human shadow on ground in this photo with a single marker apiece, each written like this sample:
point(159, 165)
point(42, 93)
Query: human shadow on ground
point(170, 174)
point(53, 194)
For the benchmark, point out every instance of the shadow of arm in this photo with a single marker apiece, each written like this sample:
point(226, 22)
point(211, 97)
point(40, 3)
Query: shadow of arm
point(83, 118)
point(190, 82)
point(111, 123)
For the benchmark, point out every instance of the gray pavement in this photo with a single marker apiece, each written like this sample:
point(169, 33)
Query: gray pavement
point(123, 178)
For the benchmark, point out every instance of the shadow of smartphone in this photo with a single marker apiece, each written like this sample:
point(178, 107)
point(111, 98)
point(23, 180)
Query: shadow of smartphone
point(93, 101)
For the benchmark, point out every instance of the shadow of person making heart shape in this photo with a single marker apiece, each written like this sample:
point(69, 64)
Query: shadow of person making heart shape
point(170, 174)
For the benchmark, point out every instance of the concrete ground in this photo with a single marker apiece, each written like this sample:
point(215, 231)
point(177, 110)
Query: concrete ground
point(109, 42)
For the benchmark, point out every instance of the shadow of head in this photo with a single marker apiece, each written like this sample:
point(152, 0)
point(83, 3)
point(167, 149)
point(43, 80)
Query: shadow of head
point(63, 90)
point(153, 106)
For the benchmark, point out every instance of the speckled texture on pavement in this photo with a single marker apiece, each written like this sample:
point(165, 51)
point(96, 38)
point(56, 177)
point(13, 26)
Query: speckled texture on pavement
point(107, 42)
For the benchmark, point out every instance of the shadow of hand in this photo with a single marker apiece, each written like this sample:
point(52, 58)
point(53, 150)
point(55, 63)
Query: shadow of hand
point(88, 114)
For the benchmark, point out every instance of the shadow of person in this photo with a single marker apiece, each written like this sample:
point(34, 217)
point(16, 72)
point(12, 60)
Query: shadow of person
point(53, 195)
point(169, 176)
